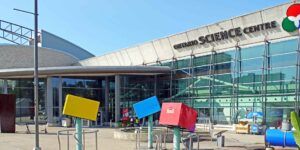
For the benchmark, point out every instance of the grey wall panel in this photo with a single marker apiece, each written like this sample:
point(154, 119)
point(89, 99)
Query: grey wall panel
point(52, 41)
point(14, 56)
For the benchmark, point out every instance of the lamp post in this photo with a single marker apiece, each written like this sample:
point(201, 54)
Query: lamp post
point(35, 74)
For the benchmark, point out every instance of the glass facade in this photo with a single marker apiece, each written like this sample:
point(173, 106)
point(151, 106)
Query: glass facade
point(23, 89)
point(227, 85)
point(224, 86)
point(135, 88)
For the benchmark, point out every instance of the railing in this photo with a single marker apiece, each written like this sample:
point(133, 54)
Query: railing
point(69, 132)
point(15, 33)
point(189, 140)
point(158, 143)
point(161, 140)
point(137, 138)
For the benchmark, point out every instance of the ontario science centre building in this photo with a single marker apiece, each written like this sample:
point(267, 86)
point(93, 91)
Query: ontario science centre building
point(249, 63)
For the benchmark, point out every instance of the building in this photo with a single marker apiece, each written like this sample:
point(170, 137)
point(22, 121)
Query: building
point(224, 70)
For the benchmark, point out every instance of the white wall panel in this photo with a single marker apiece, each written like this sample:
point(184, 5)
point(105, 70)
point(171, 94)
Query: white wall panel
point(120, 58)
point(135, 56)
point(148, 53)
point(163, 49)
point(112, 59)
point(126, 58)
point(180, 38)
point(247, 21)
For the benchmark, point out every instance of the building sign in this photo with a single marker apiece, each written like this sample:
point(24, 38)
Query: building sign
point(292, 22)
point(223, 35)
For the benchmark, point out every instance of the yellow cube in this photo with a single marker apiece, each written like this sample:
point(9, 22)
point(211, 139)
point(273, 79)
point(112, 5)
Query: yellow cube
point(81, 107)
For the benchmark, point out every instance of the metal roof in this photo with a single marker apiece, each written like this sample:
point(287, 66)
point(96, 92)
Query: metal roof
point(85, 71)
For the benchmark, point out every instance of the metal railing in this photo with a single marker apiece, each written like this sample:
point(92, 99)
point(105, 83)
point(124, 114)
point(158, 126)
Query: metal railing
point(69, 132)
point(189, 140)
point(158, 143)
point(161, 141)
point(15, 33)
point(137, 138)
point(158, 138)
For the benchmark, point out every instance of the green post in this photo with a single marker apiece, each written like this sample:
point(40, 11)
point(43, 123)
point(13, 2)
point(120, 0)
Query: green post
point(79, 134)
point(150, 133)
point(176, 139)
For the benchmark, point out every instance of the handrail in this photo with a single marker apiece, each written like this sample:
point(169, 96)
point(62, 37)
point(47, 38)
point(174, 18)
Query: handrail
point(62, 132)
point(137, 138)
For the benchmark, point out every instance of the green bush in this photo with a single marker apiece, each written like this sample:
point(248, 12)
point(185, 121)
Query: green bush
point(296, 124)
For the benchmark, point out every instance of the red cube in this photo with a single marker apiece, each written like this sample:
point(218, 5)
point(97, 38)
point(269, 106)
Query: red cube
point(178, 114)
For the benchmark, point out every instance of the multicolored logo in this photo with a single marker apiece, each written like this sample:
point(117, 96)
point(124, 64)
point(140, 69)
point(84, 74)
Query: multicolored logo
point(292, 22)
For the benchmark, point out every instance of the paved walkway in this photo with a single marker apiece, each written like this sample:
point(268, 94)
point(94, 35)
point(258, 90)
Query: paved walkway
point(23, 141)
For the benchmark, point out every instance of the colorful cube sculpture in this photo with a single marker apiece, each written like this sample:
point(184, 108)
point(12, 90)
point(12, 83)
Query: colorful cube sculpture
point(80, 107)
point(146, 107)
point(178, 114)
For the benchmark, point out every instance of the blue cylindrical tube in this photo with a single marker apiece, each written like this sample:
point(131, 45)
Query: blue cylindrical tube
point(280, 138)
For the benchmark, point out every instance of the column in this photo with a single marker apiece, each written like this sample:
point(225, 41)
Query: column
point(286, 113)
point(106, 103)
point(117, 97)
point(155, 85)
point(60, 101)
point(49, 101)
point(5, 86)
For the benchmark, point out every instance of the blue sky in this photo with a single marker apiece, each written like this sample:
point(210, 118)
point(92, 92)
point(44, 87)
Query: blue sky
point(102, 26)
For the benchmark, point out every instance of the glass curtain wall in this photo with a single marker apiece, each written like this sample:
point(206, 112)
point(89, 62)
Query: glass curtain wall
point(23, 89)
point(135, 88)
point(1, 86)
point(227, 85)
point(90, 88)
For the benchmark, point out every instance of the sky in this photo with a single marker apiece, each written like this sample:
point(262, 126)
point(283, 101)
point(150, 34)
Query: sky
point(104, 26)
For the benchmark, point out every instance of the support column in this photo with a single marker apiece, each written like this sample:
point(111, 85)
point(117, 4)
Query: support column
point(155, 85)
point(79, 144)
point(49, 101)
point(5, 87)
point(285, 114)
point(297, 88)
point(106, 103)
point(117, 97)
point(150, 131)
point(60, 101)
point(176, 138)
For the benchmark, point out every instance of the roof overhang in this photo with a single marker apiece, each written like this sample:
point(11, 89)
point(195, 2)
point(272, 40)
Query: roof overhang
point(85, 71)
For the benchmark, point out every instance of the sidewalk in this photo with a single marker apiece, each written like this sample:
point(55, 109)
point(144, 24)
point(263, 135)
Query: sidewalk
point(22, 141)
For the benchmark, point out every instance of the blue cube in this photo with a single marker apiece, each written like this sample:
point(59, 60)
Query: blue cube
point(146, 107)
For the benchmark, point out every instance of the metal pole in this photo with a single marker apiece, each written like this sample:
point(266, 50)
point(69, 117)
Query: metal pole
point(176, 139)
point(36, 90)
point(96, 138)
point(68, 141)
point(79, 134)
point(150, 129)
point(297, 87)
